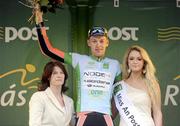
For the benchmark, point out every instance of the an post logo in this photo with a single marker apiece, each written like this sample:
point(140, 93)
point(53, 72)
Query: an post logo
point(169, 33)
point(9, 34)
point(125, 33)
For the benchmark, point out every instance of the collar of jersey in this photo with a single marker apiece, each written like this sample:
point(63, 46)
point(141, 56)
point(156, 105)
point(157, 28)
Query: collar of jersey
point(97, 58)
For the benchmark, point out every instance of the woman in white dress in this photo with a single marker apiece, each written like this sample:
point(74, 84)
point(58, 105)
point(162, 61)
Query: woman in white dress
point(142, 91)
point(50, 106)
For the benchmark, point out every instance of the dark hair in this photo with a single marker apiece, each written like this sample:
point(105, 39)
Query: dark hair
point(48, 69)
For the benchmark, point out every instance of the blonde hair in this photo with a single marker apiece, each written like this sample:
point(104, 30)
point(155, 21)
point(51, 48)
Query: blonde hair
point(149, 74)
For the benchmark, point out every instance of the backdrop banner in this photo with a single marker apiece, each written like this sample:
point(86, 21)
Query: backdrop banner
point(154, 25)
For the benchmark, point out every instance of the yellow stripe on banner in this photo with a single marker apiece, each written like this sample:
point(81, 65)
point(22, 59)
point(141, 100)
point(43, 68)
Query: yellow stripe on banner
point(171, 35)
point(170, 28)
point(172, 38)
point(177, 77)
point(168, 32)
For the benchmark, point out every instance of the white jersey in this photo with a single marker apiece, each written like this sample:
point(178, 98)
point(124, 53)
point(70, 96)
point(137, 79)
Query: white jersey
point(95, 79)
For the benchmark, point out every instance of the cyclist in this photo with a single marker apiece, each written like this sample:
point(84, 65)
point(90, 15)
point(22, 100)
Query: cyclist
point(96, 74)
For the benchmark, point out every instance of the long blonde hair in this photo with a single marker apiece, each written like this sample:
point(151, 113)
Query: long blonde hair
point(148, 74)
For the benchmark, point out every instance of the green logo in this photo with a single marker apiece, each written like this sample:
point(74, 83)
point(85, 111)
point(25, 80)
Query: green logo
point(96, 93)
point(105, 65)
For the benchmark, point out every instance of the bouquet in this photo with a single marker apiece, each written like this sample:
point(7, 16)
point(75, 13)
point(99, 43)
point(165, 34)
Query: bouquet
point(44, 5)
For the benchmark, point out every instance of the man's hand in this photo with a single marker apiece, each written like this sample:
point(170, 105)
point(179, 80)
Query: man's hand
point(38, 14)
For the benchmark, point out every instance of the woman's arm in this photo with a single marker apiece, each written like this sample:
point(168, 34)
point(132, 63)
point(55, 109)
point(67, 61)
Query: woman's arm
point(157, 116)
point(36, 108)
point(156, 108)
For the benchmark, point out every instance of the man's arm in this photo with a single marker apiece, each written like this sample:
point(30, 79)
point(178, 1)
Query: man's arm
point(113, 105)
point(113, 109)
point(45, 45)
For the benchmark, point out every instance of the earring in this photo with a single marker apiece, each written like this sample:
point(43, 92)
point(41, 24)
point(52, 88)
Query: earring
point(144, 71)
point(129, 70)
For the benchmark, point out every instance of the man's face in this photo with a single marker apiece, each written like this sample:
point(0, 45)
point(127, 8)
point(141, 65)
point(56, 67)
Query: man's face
point(98, 45)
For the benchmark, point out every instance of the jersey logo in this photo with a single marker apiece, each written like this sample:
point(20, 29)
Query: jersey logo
point(106, 66)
